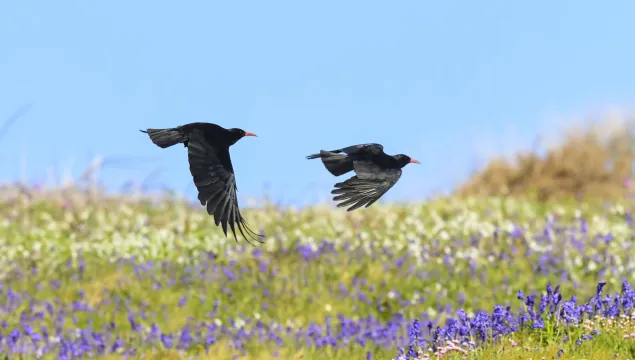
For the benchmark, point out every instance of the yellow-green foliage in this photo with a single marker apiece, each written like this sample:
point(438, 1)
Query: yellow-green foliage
point(420, 260)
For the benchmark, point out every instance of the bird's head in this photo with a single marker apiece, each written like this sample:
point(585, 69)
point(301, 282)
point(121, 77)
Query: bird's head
point(404, 160)
point(239, 133)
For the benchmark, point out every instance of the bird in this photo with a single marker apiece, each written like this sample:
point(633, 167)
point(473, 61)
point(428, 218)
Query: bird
point(211, 168)
point(376, 172)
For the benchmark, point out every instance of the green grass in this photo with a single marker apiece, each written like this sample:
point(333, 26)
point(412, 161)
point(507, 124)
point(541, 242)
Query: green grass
point(450, 259)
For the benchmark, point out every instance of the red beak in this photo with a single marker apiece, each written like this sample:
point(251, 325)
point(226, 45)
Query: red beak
point(247, 133)
point(414, 161)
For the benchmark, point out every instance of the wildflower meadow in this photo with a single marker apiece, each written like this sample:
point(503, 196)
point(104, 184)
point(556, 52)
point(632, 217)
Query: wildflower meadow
point(490, 278)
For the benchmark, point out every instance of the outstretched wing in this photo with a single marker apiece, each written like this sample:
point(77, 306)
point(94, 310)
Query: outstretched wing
point(363, 189)
point(364, 149)
point(215, 181)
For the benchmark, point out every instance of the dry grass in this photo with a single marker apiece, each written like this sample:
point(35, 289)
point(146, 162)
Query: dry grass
point(591, 163)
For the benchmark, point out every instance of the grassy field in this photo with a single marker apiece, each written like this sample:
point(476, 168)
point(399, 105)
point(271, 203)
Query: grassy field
point(159, 280)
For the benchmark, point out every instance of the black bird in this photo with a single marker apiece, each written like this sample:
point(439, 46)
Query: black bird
point(211, 167)
point(376, 172)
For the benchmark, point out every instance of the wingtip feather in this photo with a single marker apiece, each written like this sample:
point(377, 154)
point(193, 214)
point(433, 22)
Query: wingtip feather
point(217, 189)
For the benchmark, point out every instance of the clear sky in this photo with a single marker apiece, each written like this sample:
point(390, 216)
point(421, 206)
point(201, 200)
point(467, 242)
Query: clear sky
point(446, 82)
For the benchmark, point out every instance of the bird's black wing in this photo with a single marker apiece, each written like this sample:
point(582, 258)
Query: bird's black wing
point(215, 181)
point(364, 149)
point(363, 189)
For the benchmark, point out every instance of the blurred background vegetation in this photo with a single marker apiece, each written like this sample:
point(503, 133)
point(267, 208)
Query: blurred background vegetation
point(589, 162)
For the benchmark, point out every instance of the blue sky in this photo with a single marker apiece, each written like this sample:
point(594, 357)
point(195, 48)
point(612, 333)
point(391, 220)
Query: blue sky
point(448, 83)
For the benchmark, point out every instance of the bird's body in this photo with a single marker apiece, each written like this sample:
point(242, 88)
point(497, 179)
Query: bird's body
point(211, 168)
point(376, 172)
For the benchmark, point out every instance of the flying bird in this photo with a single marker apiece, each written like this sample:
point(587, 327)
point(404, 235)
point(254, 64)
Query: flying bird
point(211, 167)
point(376, 172)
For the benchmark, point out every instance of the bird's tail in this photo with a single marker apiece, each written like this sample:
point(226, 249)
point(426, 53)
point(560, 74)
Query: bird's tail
point(335, 163)
point(165, 138)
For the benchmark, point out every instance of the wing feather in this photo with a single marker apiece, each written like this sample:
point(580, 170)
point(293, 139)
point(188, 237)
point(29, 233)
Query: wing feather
point(369, 184)
point(361, 149)
point(215, 181)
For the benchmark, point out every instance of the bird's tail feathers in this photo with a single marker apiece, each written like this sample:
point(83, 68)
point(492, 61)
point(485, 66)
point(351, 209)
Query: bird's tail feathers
point(165, 138)
point(335, 163)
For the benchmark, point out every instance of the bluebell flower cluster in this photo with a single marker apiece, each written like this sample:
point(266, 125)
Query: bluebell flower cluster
point(486, 327)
